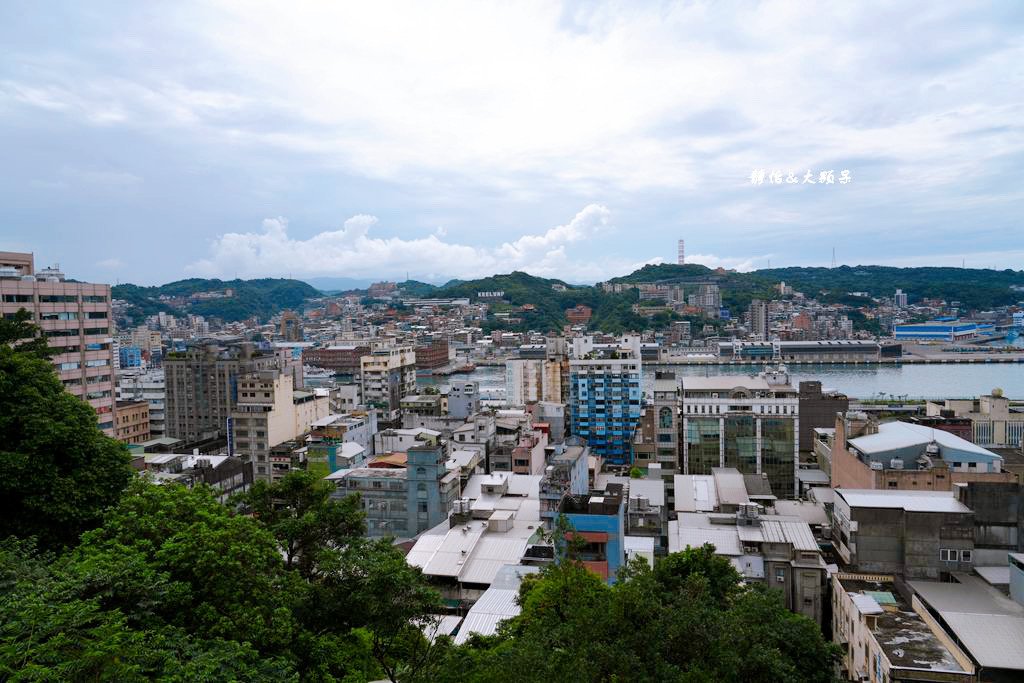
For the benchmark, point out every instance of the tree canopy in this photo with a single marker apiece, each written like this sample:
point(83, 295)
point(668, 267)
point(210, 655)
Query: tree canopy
point(687, 619)
point(58, 471)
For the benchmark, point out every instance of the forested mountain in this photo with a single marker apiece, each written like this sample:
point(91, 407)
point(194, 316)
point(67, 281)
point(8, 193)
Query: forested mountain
point(262, 298)
point(975, 289)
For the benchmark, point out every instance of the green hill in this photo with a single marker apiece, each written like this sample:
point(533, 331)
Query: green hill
point(975, 289)
point(263, 298)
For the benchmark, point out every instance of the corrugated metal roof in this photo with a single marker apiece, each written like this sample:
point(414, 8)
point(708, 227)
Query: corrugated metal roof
point(995, 640)
point(990, 625)
point(453, 552)
point(489, 555)
point(695, 493)
point(726, 541)
point(496, 604)
point(424, 549)
point(911, 501)
point(798, 534)
point(730, 485)
point(897, 435)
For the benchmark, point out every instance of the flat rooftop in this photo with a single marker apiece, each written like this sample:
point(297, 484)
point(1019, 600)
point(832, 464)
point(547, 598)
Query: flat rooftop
point(988, 624)
point(904, 637)
point(911, 501)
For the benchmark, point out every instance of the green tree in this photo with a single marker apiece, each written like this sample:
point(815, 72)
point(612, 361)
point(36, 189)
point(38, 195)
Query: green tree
point(369, 585)
point(689, 620)
point(299, 511)
point(169, 554)
point(723, 581)
point(50, 630)
point(58, 471)
point(20, 332)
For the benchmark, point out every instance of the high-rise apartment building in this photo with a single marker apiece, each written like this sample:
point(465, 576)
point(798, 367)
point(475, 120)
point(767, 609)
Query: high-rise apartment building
point(388, 376)
point(149, 387)
point(750, 423)
point(269, 412)
point(666, 420)
point(759, 319)
point(604, 403)
point(76, 319)
point(524, 381)
point(682, 252)
point(900, 299)
point(202, 388)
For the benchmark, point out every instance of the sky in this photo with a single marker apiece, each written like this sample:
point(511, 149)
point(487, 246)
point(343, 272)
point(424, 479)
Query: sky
point(149, 142)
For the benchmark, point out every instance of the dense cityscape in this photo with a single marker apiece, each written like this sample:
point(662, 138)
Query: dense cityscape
point(490, 342)
point(479, 455)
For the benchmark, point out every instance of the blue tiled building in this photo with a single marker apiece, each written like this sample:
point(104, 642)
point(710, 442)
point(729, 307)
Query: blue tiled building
point(598, 529)
point(604, 405)
point(130, 356)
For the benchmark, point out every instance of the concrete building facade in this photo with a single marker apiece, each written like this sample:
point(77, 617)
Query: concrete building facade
point(604, 405)
point(202, 388)
point(270, 412)
point(132, 422)
point(75, 317)
point(750, 423)
point(388, 375)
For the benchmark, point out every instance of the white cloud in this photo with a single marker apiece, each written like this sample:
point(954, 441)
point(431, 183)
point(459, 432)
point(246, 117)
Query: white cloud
point(528, 95)
point(110, 263)
point(353, 251)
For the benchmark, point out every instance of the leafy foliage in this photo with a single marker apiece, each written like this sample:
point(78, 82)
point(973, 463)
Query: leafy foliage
point(263, 298)
point(21, 333)
point(58, 471)
point(688, 619)
point(299, 512)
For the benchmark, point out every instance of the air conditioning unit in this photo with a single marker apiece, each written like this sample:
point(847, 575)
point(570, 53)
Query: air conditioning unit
point(877, 466)
point(896, 464)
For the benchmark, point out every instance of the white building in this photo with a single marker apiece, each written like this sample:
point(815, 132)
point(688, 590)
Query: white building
point(149, 387)
point(270, 412)
point(388, 375)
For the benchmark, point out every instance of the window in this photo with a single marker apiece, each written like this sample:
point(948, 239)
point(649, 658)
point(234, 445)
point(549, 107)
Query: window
point(948, 555)
point(97, 315)
point(966, 555)
point(780, 575)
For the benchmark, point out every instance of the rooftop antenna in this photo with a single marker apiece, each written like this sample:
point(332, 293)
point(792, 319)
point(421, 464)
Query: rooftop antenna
point(833, 257)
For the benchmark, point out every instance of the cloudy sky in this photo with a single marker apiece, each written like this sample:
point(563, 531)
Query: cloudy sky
point(146, 142)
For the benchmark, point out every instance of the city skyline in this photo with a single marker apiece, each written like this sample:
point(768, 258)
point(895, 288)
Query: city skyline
point(573, 141)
